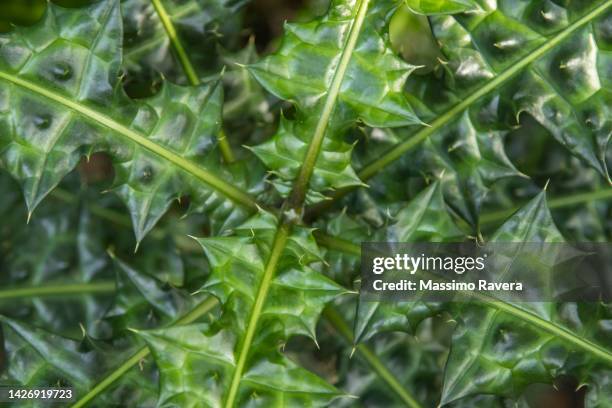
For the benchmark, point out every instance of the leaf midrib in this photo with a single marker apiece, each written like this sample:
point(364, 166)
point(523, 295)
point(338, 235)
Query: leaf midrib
point(168, 25)
point(280, 240)
point(59, 289)
point(347, 247)
point(188, 69)
point(394, 153)
point(158, 38)
point(233, 193)
point(295, 201)
point(300, 187)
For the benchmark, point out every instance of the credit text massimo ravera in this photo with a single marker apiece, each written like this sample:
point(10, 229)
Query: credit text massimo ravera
point(411, 264)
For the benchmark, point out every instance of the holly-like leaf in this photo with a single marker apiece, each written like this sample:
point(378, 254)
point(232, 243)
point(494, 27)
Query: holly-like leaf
point(501, 348)
point(337, 70)
point(290, 304)
point(424, 219)
point(297, 292)
point(197, 363)
point(148, 45)
point(61, 99)
point(498, 62)
point(555, 68)
point(35, 358)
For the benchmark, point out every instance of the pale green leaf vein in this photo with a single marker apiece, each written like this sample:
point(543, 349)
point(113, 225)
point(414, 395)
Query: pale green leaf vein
point(396, 152)
point(535, 320)
point(233, 193)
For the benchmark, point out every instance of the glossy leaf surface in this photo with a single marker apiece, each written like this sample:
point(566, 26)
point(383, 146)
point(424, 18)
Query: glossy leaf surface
point(291, 306)
point(337, 70)
point(563, 86)
point(424, 219)
point(495, 352)
point(63, 81)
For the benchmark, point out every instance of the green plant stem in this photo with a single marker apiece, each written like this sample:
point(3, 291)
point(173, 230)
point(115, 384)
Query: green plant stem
point(230, 191)
point(300, 186)
point(334, 318)
point(553, 203)
point(59, 289)
point(401, 148)
point(278, 245)
point(295, 201)
point(224, 146)
point(190, 72)
point(336, 243)
point(195, 313)
point(552, 328)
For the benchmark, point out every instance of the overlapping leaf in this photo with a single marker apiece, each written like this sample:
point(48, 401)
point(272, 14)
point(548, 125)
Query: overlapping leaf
point(499, 61)
point(297, 294)
point(148, 46)
point(565, 89)
point(424, 219)
point(61, 99)
point(337, 70)
point(68, 251)
point(497, 352)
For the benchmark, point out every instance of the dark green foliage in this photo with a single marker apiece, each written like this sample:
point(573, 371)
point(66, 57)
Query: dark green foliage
point(243, 239)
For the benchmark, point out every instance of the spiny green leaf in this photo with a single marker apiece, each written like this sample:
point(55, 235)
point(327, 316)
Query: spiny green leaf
point(470, 160)
point(197, 362)
point(495, 352)
point(298, 291)
point(36, 357)
point(433, 7)
point(494, 54)
point(424, 219)
point(285, 152)
point(565, 90)
point(292, 305)
point(66, 102)
point(532, 223)
point(337, 70)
